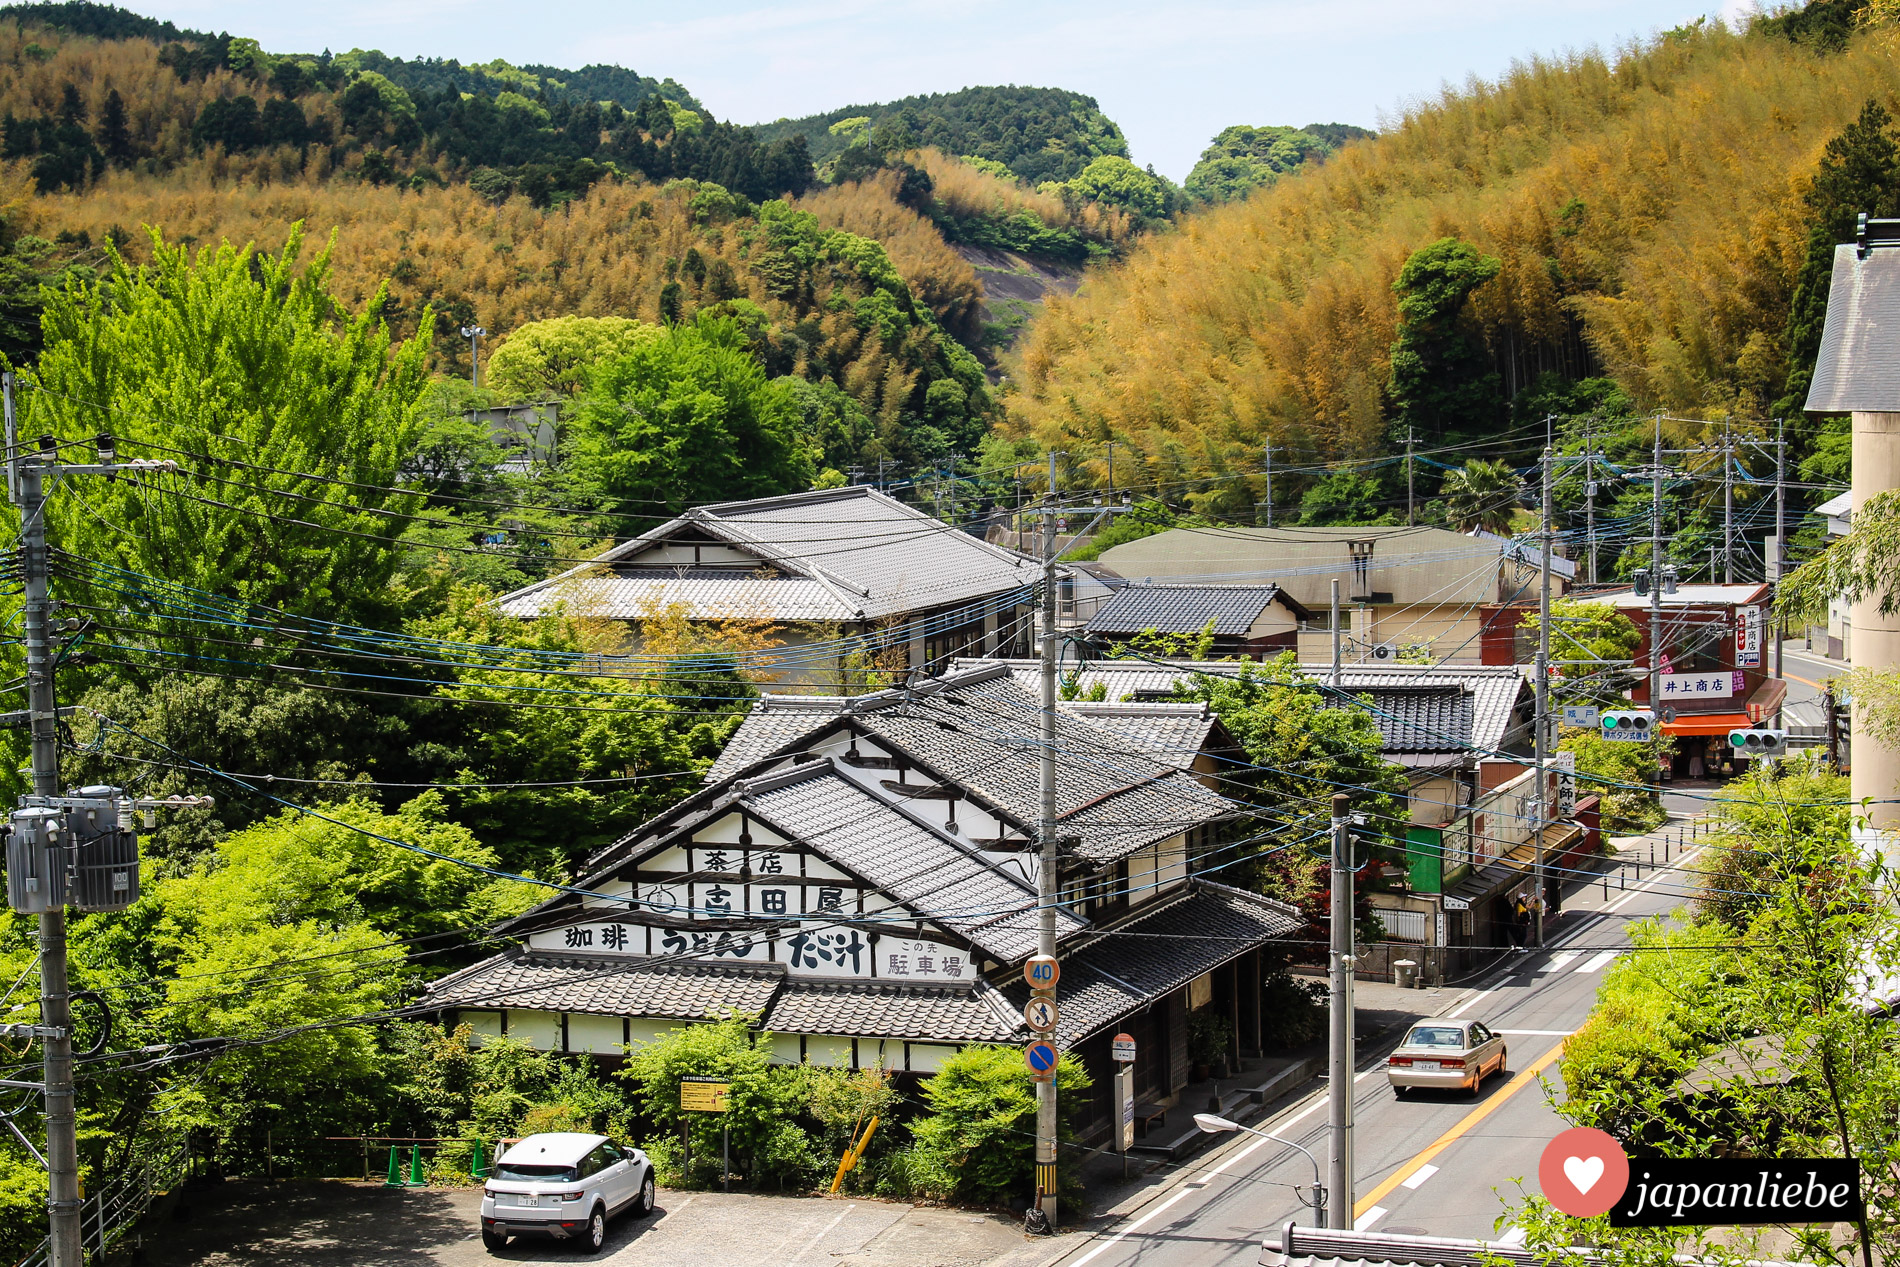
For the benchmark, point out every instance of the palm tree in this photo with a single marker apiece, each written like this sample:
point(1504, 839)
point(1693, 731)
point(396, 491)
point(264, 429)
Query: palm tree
point(1482, 495)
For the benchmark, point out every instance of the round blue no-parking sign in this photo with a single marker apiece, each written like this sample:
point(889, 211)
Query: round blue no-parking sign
point(1041, 1058)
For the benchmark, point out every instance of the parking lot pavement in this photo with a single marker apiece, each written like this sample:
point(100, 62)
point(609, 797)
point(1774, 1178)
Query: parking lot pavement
point(338, 1224)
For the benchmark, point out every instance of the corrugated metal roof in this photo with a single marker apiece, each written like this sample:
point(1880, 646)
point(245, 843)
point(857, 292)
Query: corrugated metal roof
point(848, 554)
point(1689, 596)
point(1429, 566)
point(1857, 367)
point(1418, 708)
point(1233, 609)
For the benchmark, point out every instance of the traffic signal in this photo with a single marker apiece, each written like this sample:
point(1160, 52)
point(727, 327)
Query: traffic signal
point(1758, 743)
point(1637, 725)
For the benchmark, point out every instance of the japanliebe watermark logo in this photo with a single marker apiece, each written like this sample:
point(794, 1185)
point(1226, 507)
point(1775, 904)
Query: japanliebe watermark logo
point(1584, 1173)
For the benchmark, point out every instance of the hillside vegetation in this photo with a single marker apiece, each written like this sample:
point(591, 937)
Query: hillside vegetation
point(1644, 216)
point(1037, 133)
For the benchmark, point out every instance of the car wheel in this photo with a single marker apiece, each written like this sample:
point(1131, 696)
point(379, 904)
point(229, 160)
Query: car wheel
point(1400, 1093)
point(597, 1228)
point(643, 1204)
point(1477, 1081)
point(1504, 1060)
point(491, 1239)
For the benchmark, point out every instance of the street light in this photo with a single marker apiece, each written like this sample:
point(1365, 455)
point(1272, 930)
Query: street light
point(474, 336)
point(1216, 1125)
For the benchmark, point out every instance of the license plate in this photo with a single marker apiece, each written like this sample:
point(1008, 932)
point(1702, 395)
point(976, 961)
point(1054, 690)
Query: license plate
point(1417, 1064)
point(525, 1201)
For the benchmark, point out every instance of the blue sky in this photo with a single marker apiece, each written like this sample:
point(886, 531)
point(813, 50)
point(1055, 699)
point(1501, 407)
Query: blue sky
point(1171, 72)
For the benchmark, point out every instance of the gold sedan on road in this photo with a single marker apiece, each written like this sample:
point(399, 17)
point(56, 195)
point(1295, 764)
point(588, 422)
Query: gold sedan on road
point(1445, 1054)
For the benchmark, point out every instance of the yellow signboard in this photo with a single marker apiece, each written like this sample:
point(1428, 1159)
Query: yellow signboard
point(708, 1096)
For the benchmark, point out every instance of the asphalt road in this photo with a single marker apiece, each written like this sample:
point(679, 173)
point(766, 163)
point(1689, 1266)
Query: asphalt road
point(1437, 1164)
point(1806, 674)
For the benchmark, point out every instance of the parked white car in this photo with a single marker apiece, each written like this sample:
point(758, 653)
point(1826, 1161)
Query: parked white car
point(566, 1185)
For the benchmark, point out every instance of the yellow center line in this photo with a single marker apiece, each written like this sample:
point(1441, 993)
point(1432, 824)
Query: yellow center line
point(1796, 677)
point(1523, 1079)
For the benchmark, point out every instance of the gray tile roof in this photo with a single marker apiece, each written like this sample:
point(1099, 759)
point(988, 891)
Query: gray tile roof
point(1420, 709)
point(1133, 965)
point(847, 554)
point(1185, 609)
point(612, 987)
point(690, 992)
point(865, 1009)
point(979, 730)
point(921, 866)
point(1174, 733)
point(1857, 368)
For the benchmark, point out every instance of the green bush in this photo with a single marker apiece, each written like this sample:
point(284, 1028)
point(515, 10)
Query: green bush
point(769, 1146)
point(978, 1142)
point(1292, 1010)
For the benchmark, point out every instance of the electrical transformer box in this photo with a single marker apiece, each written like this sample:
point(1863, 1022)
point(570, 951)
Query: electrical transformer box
point(36, 861)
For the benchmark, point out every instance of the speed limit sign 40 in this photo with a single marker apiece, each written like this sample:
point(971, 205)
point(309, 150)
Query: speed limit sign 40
point(1041, 972)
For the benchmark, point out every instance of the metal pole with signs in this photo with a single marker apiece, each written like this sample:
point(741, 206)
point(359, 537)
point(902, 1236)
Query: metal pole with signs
point(1122, 1049)
point(701, 1094)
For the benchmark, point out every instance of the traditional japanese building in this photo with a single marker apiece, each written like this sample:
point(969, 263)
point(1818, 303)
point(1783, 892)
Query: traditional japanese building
point(860, 876)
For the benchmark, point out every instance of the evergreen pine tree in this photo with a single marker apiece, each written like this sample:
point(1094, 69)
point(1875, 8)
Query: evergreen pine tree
point(115, 135)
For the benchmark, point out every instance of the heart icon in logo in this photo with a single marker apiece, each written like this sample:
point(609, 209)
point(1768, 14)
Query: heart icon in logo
point(1583, 1172)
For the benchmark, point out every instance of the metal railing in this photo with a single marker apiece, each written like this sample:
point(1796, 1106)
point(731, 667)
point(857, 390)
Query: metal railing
point(119, 1203)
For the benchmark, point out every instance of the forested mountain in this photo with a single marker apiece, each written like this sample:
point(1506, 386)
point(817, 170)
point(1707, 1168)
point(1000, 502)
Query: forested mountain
point(1651, 227)
point(1037, 133)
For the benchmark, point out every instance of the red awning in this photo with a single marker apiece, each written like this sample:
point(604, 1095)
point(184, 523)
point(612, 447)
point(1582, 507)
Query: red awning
point(1707, 724)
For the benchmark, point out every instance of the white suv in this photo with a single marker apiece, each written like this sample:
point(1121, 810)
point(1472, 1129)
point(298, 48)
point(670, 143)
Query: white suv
point(563, 1184)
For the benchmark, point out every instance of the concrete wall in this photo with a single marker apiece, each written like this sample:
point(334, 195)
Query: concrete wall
point(1876, 640)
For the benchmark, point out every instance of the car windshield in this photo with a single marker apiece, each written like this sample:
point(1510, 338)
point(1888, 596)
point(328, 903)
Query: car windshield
point(1436, 1036)
point(527, 1172)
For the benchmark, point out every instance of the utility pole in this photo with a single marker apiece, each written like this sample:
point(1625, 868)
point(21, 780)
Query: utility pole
point(1728, 506)
point(1590, 499)
point(1408, 473)
point(63, 1200)
point(27, 482)
point(1339, 1084)
point(1541, 746)
point(1781, 537)
point(1269, 452)
point(1655, 571)
point(1111, 470)
point(1336, 647)
point(1046, 891)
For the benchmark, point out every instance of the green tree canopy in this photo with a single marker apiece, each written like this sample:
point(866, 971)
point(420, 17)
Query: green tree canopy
point(1114, 179)
point(686, 419)
point(553, 357)
point(1442, 379)
point(241, 357)
point(1344, 496)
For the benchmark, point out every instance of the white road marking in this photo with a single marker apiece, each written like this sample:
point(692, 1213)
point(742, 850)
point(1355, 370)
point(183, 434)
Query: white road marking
point(1134, 1227)
point(1535, 1033)
point(1661, 872)
point(1557, 961)
point(1470, 1003)
point(1367, 1219)
point(824, 1231)
point(1599, 961)
point(1513, 1237)
point(1423, 1173)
